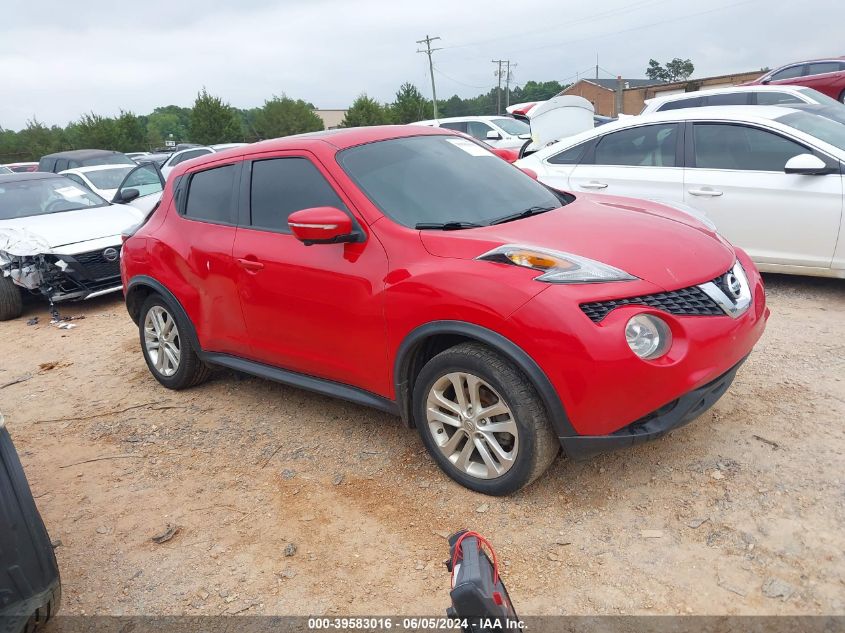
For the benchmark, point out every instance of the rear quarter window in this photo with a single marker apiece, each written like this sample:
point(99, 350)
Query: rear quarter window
point(211, 195)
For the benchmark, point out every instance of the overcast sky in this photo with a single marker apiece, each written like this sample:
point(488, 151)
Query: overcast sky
point(59, 59)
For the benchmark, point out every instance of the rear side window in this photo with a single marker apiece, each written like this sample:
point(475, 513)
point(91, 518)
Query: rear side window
point(281, 186)
point(459, 126)
point(680, 104)
point(776, 98)
point(644, 146)
point(189, 155)
point(571, 156)
point(210, 195)
point(731, 98)
point(719, 146)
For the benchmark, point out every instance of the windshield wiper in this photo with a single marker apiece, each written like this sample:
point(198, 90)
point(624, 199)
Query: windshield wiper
point(523, 214)
point(453, 225)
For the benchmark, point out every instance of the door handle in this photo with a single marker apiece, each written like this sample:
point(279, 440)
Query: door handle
point(705, 192)
point(251, 265)
point(593, 184)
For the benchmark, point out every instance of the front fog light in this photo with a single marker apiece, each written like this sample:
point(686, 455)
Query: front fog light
point(648, 336)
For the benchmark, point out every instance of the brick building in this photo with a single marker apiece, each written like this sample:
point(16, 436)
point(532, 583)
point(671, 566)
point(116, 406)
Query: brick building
point(602, 92)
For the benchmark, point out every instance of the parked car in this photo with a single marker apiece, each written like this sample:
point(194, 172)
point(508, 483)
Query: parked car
point(408, 269)
point(137, 156)
point(181, 156)
point(101, 179)
point(740, 95)
point(22, 167)
point(825, 75)
point(769, 177)
point(496, 131)
point(523, 112)
point(30, 588)
point(157, 158)
point(81, 158)
point(57, 240)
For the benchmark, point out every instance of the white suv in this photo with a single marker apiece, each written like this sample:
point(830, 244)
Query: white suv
point(496, 131)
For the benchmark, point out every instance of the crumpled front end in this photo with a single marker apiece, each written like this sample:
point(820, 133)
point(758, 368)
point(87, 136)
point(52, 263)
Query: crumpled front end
point(30, 262)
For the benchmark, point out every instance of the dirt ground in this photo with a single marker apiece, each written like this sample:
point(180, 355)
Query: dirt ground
point(741, 512)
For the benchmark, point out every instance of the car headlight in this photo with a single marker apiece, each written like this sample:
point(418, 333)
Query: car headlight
point(557, 267)
point(648, 336)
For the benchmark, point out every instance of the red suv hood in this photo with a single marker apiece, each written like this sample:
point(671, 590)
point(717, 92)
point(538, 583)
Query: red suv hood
point(651, 241)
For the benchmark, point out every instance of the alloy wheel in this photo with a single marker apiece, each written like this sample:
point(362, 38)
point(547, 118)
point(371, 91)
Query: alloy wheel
point(472, 425)
point(161, 339)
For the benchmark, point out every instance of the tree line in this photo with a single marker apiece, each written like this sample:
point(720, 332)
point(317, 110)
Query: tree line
point(212, 120)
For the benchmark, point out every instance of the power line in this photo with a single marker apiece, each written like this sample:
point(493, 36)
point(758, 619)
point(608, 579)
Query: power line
point(428, 51)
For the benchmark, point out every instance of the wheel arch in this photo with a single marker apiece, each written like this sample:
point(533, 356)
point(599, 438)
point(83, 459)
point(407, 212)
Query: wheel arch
point(427, 340)
point(141, 287)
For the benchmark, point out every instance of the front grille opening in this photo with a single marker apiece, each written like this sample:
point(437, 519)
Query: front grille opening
point(692, 301)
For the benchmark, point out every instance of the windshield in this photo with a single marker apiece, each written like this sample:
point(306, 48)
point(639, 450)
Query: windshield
point(5, 170)
point(822, 128)
point(108, 159)
point(512, 126)
point(441, 179)
point(820, 97)
point(107, 178)
point(25, 198)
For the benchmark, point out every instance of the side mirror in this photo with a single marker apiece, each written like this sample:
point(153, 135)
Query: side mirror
point(322, 225)
point(765, 82)
point(529, 172)
point(127, 195)
point(805, 164)
point(492, 135)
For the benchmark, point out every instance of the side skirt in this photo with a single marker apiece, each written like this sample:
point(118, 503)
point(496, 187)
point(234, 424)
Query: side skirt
point(294, 379)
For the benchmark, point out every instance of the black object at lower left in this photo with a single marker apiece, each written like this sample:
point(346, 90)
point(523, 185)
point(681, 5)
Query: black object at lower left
point(30, 589)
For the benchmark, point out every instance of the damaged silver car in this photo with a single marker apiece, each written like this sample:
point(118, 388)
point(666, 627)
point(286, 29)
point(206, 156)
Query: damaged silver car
point(59, 240)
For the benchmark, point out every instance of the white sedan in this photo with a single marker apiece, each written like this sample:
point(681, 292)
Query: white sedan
point(740, 95)
point(770, 178)
point(183, 155)
point(101, 179)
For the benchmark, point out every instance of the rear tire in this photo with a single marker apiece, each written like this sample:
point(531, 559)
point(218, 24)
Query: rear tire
point(460, 396)
point(11, 301)
point(842, 97)
point(167, 347)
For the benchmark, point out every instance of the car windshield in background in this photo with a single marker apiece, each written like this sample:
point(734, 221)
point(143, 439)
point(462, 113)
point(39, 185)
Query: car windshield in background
point(820, 97)
point(822, 128)
point(25, 198)
point(110, 159)
point(442, 180)
point(512, 126)
point(108, 178)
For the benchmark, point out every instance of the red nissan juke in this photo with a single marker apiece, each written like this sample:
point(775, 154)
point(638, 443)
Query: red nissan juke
point(411, 270)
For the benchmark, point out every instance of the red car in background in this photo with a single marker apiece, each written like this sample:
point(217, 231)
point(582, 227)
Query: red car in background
point(410, 270)
point(825, 75)
point(19, 168)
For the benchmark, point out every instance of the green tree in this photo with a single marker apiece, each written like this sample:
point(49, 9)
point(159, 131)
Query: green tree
point(282, 116)
point(676, 70)
point(213, 121)
point(366, 111)
point(131, 132)
point(93, 131)
point(410, 105)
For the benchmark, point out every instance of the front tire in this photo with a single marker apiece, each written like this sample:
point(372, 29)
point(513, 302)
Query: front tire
point(170, 355)
point(11, 301)
point(482, 421)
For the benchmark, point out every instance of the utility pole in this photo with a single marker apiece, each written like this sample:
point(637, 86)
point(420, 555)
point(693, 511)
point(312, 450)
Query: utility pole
point(428, 51)
point(508, 82)
point(498, 74)
point(597, 65)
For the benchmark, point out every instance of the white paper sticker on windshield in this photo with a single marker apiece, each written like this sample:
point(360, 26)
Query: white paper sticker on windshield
point(469, 147)
point(70, 192)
